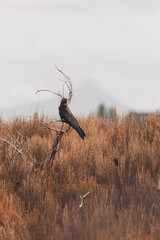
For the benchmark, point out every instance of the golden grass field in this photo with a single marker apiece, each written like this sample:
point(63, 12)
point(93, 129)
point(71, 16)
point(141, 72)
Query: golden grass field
point(123, 202)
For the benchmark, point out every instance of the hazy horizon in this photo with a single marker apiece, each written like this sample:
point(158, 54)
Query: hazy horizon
point(115, 43)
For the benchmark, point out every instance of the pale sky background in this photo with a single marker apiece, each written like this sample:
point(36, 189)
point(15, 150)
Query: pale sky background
point(114, 42)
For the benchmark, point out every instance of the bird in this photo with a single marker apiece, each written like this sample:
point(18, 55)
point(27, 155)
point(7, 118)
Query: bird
point(67, 117)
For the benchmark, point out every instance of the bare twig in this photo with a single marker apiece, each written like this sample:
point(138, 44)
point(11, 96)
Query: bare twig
point(82, 202)
point(60, 132)
point(51, 155)
point(15, 144)
point(46, 126)
point(11, 136)
point(68, 83)
point(14, 147)
point(46, 90)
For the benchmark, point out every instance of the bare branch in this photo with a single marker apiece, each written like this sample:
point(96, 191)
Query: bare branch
point(11, 136)
point(14, 147)
point(82, 202)
point(15, 144)
point(51, 155)
point(85, 195)
point(68, 83)
point(46, 126)
point(56, 146)
point(46, 90)
point(65, 83)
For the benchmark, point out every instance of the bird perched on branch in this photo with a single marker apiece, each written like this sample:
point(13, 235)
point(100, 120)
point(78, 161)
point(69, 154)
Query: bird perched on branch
point(67, 117)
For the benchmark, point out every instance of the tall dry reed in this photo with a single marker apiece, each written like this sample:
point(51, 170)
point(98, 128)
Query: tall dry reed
point(123, 202)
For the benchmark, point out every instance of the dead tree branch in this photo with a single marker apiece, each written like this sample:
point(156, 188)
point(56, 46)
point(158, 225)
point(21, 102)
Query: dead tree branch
point(68, 83)
point(59, 131)
point(14, 147)
point(46, 90)
point(15, 144)
point(46, 126)
point(59, 134)
point(51, 155)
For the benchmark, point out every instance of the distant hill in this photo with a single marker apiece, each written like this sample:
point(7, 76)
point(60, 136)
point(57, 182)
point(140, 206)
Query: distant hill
point(87, 98)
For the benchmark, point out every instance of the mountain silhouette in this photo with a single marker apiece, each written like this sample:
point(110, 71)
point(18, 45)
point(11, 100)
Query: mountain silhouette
point(87, 97)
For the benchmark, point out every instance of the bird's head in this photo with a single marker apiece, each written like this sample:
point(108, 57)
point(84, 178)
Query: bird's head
point(64, 101)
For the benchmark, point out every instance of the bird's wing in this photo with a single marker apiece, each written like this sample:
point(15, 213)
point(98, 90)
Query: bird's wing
point(69, 118)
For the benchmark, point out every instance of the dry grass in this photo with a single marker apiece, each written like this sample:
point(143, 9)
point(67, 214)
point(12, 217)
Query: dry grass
point(123, 201)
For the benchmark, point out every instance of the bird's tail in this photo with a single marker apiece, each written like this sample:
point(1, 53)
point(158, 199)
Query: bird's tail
point(81, 132)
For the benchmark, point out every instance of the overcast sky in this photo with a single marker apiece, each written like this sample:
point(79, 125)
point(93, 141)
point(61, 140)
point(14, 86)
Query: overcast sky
point(115, 43)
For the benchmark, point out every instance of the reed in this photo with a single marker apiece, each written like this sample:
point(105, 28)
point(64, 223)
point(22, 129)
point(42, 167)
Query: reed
point(123, 202)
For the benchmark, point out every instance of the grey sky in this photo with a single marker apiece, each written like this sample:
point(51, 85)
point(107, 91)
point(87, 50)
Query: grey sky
point(115, 43)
